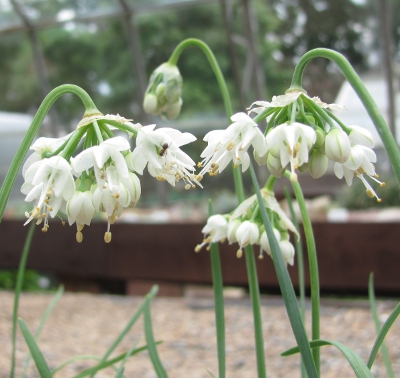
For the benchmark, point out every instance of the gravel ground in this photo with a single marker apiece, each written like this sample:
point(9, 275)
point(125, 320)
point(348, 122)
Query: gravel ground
point(86, 324)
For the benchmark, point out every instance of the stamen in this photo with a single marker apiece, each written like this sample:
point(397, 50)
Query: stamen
point(107, 237)
point(79, 237)
point(239, 253)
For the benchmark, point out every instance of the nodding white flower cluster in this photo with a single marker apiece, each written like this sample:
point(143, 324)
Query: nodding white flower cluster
point(301, 134)
point(163, 94)
point(244, 226)
point(105, 170)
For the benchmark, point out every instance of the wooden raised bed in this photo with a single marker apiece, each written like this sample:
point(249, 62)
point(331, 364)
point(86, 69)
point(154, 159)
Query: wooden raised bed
point(164, 253)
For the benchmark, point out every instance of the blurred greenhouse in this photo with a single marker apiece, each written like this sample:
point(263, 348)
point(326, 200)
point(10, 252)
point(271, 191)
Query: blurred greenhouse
point(110, 47)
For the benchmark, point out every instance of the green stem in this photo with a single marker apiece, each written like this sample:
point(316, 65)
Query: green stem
point(56, 93)
point(313, 266)
point(18, 288)
point(173, 60)
point(358, 86)
point(216, 272)
point(73, 142)
point(256, 306)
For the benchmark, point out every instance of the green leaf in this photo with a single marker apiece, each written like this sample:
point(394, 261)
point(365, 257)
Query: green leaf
point(374, 311)
point(148, 329)
point(17, 292)
point(105, 364)
point(382, 334)
point(43, 320)
point(37, 355)
point(212, 375)
point(286, 286)
point(120, 372)
point(358, 365)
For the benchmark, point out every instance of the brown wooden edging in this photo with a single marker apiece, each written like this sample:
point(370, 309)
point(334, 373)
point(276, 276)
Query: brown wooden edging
point(347, 253)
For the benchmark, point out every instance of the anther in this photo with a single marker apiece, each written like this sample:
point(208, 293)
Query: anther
point(79, 237)
point(107, 236)
point(197, 248)
point(239, 253)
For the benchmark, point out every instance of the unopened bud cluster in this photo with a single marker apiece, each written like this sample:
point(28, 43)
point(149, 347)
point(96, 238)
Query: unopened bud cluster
point(164, 93)
point(245, 227)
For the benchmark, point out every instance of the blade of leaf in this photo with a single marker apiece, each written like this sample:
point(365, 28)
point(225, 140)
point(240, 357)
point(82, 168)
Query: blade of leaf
point(105, 364)
point(17, 292)
point(148, 329)
point(43, 320)
point(286, 286)
point(73, 359)
point(37, 355)
point(120, 372)
point(358, 365)
point(374, 311)
point(300, 264)
point(382, 334)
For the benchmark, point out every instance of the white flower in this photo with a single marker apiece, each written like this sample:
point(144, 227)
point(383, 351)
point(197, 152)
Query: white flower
point(264, 241)
point(49, 182)
point(359, 162)
point(287, 250)
point(337, 146)
point(247, 233)
point(232, 228)
point(40, 146)
point(96, 157)
point(232, 144)
point(360, 135)
point(159, 149)
point(80, 209)
point(271, 203)
point(290, 143)
point(214, 231)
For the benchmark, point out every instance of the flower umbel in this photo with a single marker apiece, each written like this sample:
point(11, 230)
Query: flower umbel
point(164, 92)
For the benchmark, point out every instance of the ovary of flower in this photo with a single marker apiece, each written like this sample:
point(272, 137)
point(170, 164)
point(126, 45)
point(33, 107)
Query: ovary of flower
point(232, 144)
point(291, 143)
point(49, 182)
point(247, 233)
point(96, 157)
point(359, 162)
point(160, 151)
point(214, 231)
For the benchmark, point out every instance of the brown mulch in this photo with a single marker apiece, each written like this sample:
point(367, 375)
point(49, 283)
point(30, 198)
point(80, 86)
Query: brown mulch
point(87, 324)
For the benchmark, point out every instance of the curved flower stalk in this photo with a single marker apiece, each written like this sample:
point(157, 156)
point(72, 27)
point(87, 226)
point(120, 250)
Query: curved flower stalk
point(105, 170)
point(245, 227)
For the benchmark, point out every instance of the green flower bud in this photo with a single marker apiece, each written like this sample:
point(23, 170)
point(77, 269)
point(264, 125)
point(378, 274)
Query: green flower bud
point(318, 164)
point(320, 137)
point(163, 94)
point(337, 146)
